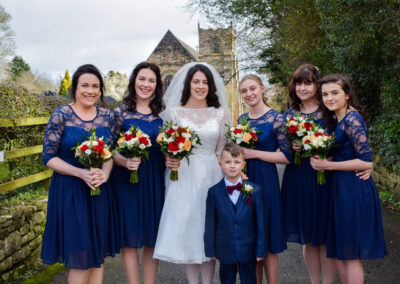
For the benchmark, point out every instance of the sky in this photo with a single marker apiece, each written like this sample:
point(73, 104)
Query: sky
point(55, 35)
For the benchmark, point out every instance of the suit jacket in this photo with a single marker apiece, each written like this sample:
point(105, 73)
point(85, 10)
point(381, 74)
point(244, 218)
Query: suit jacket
point(234, 236)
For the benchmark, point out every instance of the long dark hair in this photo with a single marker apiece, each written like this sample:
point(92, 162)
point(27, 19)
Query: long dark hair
point(305, 73)
point(344, 82)
point(156, 103)
point(212, 98)
point(86, 69)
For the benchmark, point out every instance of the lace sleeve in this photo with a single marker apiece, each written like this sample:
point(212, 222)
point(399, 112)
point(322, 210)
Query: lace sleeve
point(281, 138)
point(356, 130)
point(52, 136)
point(225, 120)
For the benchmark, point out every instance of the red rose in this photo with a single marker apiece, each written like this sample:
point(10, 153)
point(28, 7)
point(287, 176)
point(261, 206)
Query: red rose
point(101, 143)
point(293, 129)
point(170, 131)
point(327, 135)
point(99, 149)
point(291, 118)
point(144, 140)
point(173, 146)
point(128, 136)
point(83, 148)
point(318, 134)
point(307, 126)
point(307, 141)
point(180, 139)
point(237, 131)
point(253, 135)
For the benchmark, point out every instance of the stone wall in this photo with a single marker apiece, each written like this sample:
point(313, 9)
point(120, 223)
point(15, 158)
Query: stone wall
point(20, 239)
point(386, 180)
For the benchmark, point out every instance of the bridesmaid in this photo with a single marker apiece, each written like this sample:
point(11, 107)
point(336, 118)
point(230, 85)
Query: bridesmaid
point(305, 204)
point(355, 229)
point(140, 204)
point(80, 230)
point(261, 168)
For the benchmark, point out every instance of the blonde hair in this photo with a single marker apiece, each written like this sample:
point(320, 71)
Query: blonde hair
point(257, 79)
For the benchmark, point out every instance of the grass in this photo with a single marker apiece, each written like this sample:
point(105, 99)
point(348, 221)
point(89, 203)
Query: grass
point(45, 276)
point(392, 199)
point(9, 202)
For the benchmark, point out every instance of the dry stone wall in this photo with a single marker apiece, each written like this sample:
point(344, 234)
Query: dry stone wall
point(21, 239)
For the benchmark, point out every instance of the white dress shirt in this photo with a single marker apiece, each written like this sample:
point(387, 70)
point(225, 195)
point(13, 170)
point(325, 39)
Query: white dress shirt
point(236, 193)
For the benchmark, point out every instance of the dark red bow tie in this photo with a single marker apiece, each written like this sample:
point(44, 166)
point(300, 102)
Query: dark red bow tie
point(231, 188)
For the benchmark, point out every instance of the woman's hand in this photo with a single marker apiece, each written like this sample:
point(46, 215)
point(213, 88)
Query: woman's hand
point(296, 146)
point(259, 258)
point(132, 164)
point(172, 163)
point(85, 175)
point(319, 164)
point(248, 153)
point(364, 175)
point(97, 177)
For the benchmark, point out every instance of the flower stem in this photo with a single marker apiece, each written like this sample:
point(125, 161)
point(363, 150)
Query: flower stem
point(134, 177)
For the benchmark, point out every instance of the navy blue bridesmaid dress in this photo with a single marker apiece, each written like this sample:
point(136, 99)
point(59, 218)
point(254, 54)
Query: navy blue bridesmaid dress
point(266, 175)
point(140, 204)
point(305, 203)
point(355, 228)
point(81, 230)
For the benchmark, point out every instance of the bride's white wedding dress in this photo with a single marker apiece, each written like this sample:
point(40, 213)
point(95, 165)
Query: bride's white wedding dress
point(181, 231)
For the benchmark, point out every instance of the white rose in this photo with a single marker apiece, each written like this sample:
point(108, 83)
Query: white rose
point(88, 151)
point(248, 188)
point(142, 146)
point(128, 132)
point(186, 135)
point(94, 143)
point(307, 147)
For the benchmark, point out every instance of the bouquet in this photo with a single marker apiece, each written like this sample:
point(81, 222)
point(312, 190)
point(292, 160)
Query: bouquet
point(133, 144)
point(178, 142)
point(243, 134)
point(297, 127)
point(317, 142)
point(92, 153)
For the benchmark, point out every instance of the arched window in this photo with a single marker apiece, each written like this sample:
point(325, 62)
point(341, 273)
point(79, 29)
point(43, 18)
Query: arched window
point(167, 81)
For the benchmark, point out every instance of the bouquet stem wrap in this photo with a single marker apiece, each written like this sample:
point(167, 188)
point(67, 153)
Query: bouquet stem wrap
point(174, 174)
point(320, 177)
point(297, 158)
point(134, 177)
point(97, 189)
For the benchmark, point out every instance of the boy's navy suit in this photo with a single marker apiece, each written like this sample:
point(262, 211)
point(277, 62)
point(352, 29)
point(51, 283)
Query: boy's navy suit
point(234, 234)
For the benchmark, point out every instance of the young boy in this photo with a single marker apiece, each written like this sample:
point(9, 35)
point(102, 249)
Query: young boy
point(234, 232)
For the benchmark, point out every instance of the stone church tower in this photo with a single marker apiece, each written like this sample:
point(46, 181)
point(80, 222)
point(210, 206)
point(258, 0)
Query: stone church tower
point(216, 47)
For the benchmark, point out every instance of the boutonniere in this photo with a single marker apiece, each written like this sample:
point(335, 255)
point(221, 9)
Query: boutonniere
point(247, 191)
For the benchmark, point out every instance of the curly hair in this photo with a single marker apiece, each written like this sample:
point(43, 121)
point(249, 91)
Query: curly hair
point(212, 98)
point(305, 73)
point(344, 82)
point(156, 103)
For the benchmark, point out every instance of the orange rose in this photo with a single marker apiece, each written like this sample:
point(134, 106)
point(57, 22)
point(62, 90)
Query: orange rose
point(246, 137)
point(187, 145)
point(139, 134)
point(159, 137)
point(120, 140)
point(106, 154)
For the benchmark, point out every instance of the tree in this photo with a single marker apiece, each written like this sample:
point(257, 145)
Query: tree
point(65, 84)
point(18, 66)
point(7, 44)
point(115, 84)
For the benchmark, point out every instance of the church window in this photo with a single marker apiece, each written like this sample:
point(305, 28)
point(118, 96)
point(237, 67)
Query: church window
point(215, 45)
point(167, 81)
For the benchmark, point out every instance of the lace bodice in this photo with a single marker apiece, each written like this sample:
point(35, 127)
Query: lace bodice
point(352, 139)
point(65, 129)
point(148, 123)
point(273, 136)
point(317, 115)
point(209, 123)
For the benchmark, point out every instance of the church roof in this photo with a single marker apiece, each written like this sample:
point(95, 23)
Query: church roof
point(169, 36)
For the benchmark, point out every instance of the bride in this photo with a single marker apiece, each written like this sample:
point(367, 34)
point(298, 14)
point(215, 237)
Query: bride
point(196, 98)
